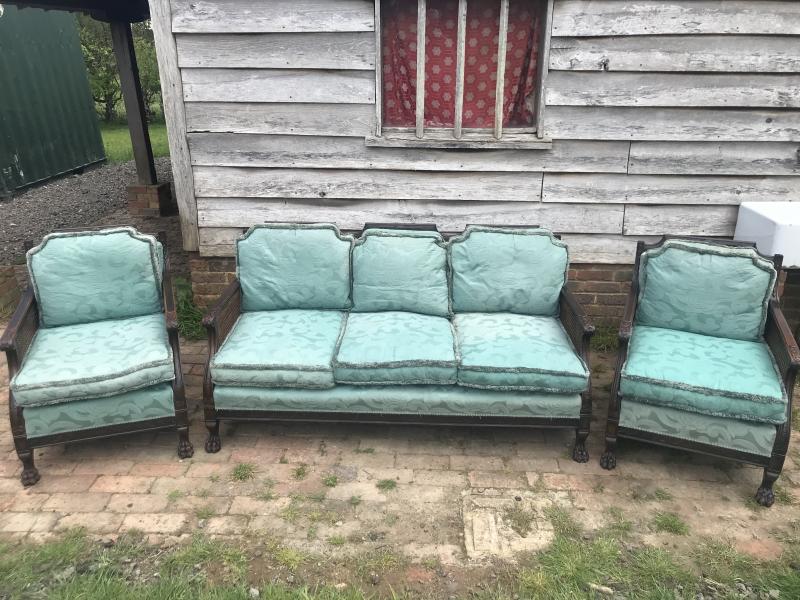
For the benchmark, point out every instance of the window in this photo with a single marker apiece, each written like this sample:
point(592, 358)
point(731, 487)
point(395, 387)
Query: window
point(460, 73)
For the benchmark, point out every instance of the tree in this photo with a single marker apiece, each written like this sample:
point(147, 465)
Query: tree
point(148, 67)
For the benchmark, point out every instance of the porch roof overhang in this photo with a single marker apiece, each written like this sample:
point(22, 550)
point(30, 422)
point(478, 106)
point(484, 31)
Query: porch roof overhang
point(128, 11)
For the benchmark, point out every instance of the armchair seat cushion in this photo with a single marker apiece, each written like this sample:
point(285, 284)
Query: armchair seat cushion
point(721, 377)
point(94, 360)
point(282, 348)
point(396, 348)
point(505, 351)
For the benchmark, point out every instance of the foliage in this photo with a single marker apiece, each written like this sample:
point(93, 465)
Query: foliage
point(117, 141)
point(101, 65)
point(190, 318)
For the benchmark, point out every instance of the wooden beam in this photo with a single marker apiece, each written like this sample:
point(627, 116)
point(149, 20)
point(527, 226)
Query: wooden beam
point(542, 68)
point(499, 88)
point(122, 41)
point(378, 70)
point(461, 50)
point(420, 108)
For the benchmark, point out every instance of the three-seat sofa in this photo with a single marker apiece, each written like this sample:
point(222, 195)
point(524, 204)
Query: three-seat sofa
point(399, 325)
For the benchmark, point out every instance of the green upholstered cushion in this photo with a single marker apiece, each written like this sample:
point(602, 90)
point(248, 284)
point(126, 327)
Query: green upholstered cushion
point(154, 402)
point(396, 348)
point(507, 270)
point(403, 400)
point(86, 276)
point(285, 266)
point(92, 360)
point(705, 288)
point(721, 377)
point(517, 352)
point(400, 270)
point(755, 438)
point(285, 348)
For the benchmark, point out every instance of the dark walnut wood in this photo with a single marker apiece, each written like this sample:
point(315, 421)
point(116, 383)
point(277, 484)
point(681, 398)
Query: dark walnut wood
point(783, 346)
point(16, 341)
point(223, 315)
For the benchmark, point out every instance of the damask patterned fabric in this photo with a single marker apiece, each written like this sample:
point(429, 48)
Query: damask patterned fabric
point(721, 377)
point(286, 266)
point(507, 270)
point(89, 276)
point(92, 360)
point(755, 438)
point(517, 352)
point(396, 348)
point(153, 402)
point(706, 289)
point(286, 348)
point(404, 400)
point(400, 270)
point(399, 54)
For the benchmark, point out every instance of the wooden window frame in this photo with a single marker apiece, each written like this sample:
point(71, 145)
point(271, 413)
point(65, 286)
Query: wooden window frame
point(527, 138)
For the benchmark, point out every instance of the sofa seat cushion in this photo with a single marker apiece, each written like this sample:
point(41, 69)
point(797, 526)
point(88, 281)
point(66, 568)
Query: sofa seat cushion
point(396, 348)
point(94, 360)
point(517, 352)
point(154, 402)
point(721, 377)
point(284, 348)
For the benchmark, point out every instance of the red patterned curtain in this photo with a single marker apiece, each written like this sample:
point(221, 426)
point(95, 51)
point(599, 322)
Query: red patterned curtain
point(399, 36)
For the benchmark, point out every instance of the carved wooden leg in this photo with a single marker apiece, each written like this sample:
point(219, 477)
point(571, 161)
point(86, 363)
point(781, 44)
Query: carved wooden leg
point(765, 496)
point(609, 458)
point(185, 448)
point(213, 443)
point(30, 474)
point(579, 453)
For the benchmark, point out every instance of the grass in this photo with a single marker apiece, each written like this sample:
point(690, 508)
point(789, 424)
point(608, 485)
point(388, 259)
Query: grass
point(204, 512)
point(605, 339)
point(386, 485)
point(330, 481)
point(190, 318)
point(243, 472)
point(300, 472)
point(519, 519)
point(354, 501)
point(117, 141)
point(670, 523)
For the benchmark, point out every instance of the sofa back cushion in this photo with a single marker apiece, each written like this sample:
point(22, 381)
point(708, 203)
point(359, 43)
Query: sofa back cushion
point(287, 265)
point(497, 269)
point(88, 276)
point(705, 288)
point(400, 270)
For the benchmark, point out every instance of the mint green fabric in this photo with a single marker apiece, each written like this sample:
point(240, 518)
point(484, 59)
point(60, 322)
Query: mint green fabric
point(704, 288)
point(153, 402)
point(507, 270)
point(396, 348)
point(285, 348)
point(517, 352)
point(92, 360)
point(400, 270)
point(755, 438)
point(87, 276)
point(721, 377)
point(286, 266)
point(403, 400)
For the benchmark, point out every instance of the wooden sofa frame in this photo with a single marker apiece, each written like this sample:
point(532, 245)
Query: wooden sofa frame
point(783, 346)
point(220, 320)
point(16, 341)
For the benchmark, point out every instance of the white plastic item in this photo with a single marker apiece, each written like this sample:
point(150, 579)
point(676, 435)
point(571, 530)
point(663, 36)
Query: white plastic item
point(774, 227)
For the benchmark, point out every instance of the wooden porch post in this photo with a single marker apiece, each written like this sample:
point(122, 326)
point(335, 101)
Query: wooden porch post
point(122, 40)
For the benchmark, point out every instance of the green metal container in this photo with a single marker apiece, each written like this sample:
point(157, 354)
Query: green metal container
point(48, 124)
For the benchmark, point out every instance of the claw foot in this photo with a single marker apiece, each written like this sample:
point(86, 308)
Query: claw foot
point(213, 443)
point(608, 461)
point(185, 449)
point(765, 496)
point(29, 476)
point(579, 453)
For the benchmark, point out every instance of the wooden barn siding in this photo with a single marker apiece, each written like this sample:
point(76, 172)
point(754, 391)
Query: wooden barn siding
point(664, 117)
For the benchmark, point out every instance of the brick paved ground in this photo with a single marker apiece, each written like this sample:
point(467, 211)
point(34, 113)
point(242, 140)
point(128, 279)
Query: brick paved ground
point(453, 486)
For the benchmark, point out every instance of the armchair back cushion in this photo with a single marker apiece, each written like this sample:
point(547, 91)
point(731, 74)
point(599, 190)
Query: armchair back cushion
point(507, 270)
point(705, 288)
point(294, 266)
point(88, 276)
point(400, 270)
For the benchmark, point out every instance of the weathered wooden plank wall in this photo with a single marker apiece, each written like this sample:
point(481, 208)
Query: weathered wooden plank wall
point(664, 116)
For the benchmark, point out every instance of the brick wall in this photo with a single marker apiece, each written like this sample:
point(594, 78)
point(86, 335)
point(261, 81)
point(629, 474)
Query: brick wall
point(601, 289)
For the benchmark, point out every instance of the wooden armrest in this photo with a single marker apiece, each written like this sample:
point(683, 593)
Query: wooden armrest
point(220, 319)
point(626, 326)
point(19, 333)
point(575, 322)
point(168, 292)
point(781, 342)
